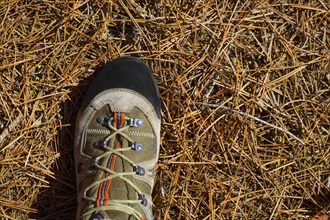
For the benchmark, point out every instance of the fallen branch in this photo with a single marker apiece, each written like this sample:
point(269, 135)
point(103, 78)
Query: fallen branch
point(253, 117)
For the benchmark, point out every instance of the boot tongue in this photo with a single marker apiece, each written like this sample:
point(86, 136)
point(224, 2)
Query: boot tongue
point(118, 188)
point(118, 192)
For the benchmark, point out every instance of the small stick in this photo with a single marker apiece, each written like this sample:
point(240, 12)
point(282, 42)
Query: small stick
point(11, 127)
point(253, 117)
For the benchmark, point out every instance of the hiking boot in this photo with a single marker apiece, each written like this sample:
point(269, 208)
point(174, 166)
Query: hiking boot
point(117, 143)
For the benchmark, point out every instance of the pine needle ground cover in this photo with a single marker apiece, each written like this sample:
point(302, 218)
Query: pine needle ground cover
point(245, 102)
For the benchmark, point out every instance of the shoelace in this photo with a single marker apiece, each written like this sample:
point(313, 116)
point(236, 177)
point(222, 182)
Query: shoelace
point(118, 124)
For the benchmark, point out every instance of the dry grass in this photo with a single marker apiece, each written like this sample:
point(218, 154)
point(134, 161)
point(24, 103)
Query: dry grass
point(267, 59)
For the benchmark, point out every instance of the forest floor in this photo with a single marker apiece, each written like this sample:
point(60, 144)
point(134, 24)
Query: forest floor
point(245, 102)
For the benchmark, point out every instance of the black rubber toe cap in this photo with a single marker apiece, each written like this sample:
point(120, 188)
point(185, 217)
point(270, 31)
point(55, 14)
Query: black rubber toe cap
point(126, 72)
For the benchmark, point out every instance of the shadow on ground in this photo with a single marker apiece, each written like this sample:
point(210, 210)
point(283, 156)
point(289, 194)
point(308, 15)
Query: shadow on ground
point(58, 201)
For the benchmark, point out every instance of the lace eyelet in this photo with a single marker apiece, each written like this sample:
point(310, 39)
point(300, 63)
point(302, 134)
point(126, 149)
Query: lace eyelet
point(135, 122)
point(101, 120)
point(104, 121)
point(136, 146)
point(97, 216)
point(105, 143)
point(101, 144)
point(96, 162)
point(143, 199)
point(92, 168)
point(139, 170)
point(85, 194)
